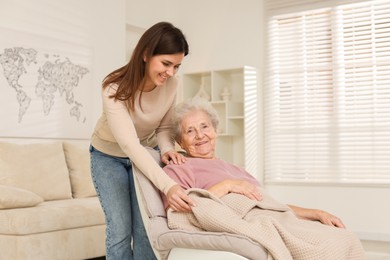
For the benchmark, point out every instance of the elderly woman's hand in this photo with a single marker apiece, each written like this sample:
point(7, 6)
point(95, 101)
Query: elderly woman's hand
point(178, 199)
point(317, 215)
point(236, 186)
point(328, 219)
point(173, 157)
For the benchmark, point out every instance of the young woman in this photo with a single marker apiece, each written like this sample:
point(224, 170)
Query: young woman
point(138, 99)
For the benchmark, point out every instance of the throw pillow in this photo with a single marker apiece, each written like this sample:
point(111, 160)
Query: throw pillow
point(38, 167)
point(78, 161)
point(13, 197)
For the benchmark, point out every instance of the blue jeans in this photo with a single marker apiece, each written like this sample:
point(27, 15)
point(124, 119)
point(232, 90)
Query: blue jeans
point(126, 237)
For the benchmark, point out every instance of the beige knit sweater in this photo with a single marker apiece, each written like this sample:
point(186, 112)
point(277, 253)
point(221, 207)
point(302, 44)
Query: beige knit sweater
point(123, 133)
point(269, 223)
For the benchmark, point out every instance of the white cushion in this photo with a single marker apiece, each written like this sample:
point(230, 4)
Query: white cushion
point(78, 161)
point(13, 197)
point(39, 168)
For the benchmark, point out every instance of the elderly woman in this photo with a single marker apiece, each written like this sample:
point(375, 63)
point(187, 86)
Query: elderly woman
point(293, 236)
point(195, 125)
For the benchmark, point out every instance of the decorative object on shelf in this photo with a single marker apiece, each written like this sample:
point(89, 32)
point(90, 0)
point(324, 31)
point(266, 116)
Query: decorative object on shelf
point(202, 92)
point(225, 95)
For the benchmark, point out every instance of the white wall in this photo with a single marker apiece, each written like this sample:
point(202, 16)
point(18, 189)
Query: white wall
point(107, 34)
point(365, 210)
point(221, 34)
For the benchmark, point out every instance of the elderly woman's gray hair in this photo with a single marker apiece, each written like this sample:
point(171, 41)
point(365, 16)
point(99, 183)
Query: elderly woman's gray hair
point(191, 105)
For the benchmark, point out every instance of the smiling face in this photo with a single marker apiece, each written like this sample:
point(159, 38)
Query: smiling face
point(161, 67)
point(198, 135)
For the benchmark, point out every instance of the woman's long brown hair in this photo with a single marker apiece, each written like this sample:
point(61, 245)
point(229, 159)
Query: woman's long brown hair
point(161, 38)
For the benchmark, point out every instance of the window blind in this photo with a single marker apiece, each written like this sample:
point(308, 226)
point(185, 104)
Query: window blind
point(327, 95)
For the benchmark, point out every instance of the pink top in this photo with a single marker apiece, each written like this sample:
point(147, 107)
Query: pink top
point(205, 173)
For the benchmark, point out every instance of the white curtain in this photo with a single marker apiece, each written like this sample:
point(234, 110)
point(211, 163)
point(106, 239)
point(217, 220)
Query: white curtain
point(327, 95)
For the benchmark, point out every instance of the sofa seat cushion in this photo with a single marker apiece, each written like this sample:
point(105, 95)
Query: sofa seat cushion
point(52, 216)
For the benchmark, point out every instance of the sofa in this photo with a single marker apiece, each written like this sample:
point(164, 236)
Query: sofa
point(48, 204)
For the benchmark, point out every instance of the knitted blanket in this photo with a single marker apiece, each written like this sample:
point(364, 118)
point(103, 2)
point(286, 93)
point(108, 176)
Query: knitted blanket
point(269, 223)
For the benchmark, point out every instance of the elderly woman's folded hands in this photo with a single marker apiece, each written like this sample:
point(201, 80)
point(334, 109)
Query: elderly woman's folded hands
point(236, 186)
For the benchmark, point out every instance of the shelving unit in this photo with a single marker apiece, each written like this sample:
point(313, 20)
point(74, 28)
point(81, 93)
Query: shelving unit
point(237, 110)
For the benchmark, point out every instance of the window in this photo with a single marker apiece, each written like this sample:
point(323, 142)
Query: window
point(327, 95)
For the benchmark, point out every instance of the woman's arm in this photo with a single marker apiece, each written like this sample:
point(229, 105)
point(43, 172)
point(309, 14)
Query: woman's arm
point(317, 215)
point(236, 186)
point(123, 130)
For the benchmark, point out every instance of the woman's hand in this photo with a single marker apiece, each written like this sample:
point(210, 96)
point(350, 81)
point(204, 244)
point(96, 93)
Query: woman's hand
point(317, 215)
point(173, 157)
point(178, 199)
point(328, 219)
point(236, 186)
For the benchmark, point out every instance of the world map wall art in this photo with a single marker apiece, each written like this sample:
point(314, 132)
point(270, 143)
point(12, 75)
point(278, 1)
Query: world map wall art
point(44, 87)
